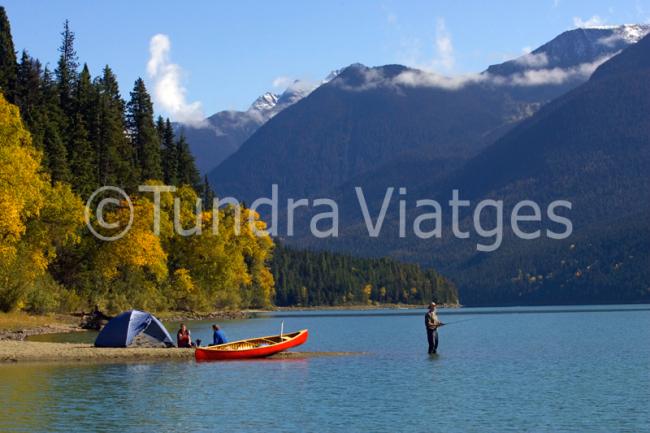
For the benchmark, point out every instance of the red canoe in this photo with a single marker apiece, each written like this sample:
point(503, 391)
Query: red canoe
point(251, 348)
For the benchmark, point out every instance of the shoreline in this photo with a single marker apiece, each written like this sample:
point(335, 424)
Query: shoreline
point(251, 313)
point(361, 307)
point(23, 334)
point(14, 352)
point(23, 325)
point(18, 326)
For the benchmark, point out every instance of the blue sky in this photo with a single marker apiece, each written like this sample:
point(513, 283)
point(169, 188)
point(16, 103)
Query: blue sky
point(225, 54)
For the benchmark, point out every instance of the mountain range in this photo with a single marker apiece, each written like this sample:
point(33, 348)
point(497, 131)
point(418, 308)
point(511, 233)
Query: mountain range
point(367, 119)
point(226, 130)
point(590, 147)
point(543, 126)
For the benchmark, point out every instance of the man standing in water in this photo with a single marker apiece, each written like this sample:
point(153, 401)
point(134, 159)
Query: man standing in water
point(432, 324)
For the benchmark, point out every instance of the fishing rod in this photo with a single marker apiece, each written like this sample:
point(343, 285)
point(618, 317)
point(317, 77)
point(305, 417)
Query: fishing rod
point(460, 321)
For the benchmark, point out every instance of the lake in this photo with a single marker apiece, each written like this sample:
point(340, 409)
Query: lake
point(556, 369)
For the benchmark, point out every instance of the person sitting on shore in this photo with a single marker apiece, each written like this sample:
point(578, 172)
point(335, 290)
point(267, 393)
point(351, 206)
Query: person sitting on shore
point(184, 337)
point(218, 337)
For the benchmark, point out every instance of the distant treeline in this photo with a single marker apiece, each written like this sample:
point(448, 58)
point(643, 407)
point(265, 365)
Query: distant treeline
point(310, 278)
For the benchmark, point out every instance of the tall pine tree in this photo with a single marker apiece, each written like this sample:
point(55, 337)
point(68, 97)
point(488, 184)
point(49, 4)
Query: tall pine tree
point(207, 193)
point(56, 152)
point(86, 99)
point(115, 155)
point(83, 163)
point(66, 70)
point(8, 64)
point(60, 129)
point(29, 97)
point(187, 172)
point(143, 133)
point(169, 151)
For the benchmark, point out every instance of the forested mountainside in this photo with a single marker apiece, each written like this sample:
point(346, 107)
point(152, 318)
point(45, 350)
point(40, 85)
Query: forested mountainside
point(590, 147)
point(323, 278)
point(368, 120)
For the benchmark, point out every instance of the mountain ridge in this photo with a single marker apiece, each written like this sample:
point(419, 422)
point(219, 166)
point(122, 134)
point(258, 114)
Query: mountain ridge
point(368, 116)
point(591, 147)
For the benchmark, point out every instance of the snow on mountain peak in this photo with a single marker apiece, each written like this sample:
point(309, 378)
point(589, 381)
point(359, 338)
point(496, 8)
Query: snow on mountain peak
point(266, 102)
point(633, 32)
point(333, 74)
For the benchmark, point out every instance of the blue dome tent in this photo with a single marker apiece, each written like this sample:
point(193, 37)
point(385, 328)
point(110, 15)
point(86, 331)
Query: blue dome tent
point(121, 330)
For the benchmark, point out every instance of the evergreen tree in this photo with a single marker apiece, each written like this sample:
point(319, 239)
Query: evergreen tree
point(207, 193)
point(160, 128)
point(54, 145)
point(82, 158)
point(83, 163)
point(8, 64)
point(66, 71)
point(143, 133)
point(115, 155)
point(169, 151)
point(29, 97)
point(187, 171)
point(56, 155)
point(86, 99)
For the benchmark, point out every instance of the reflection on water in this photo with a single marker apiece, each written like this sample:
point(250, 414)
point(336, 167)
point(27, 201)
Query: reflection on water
point(548, 370)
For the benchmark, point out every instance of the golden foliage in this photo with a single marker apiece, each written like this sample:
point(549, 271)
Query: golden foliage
point(36, 218)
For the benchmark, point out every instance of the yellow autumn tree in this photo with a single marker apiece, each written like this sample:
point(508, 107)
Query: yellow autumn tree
point(36, 217)
point(130, 271)
point(227, 266)
point(366, 292)
point(215, 268)
point(256, 247)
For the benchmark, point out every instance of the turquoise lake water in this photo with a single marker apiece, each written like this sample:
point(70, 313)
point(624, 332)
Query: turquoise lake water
point(560, 369)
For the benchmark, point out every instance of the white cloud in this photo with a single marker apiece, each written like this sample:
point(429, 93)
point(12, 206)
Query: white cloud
point(594, 21)
point(537, 77)
point(168, 91)
point(303, 86)
point(533, 60)
point(444, 47)
point(374, 78)
point(611, 40)
point(414, 78)
point(292, 85)
point(443, 60)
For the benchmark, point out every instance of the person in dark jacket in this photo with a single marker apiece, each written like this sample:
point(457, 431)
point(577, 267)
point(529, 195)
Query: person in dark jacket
point(432, 323)
point(218, 337)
